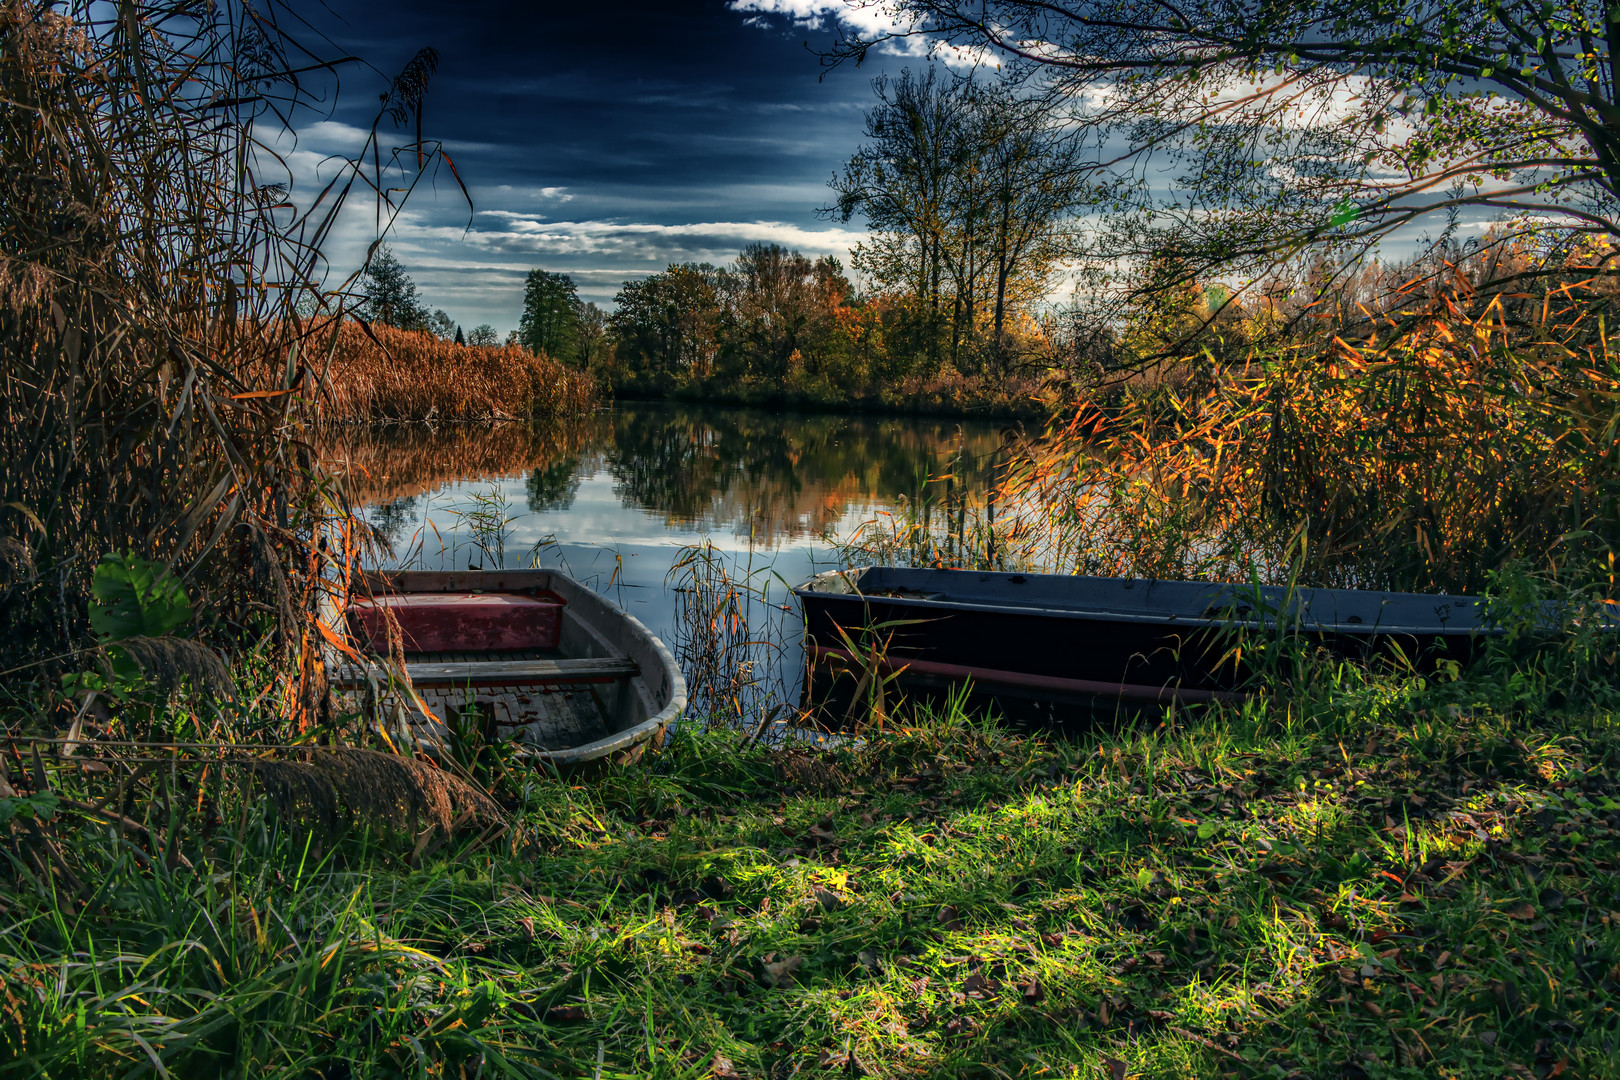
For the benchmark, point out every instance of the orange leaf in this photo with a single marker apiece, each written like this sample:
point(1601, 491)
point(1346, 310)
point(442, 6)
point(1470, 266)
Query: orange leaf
point(338, 643)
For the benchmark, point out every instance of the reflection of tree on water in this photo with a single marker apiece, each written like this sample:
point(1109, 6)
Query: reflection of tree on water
point(386, 461)
point(773, 475)
point(394, 517)
point(553, 486)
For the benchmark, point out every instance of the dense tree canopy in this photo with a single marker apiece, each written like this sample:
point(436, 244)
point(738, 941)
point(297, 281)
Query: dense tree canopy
point(550, 314)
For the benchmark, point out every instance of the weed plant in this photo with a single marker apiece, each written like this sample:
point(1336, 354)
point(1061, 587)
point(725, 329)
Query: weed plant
point(1438, 450)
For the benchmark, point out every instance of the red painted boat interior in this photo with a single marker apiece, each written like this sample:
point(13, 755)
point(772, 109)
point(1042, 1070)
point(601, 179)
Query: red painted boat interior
point(460, 622)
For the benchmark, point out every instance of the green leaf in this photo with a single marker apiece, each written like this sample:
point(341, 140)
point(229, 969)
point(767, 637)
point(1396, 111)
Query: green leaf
point(1208, 830)
point(136, 598)
point(1144, 877)
point(1344, 214)
point(41, 805)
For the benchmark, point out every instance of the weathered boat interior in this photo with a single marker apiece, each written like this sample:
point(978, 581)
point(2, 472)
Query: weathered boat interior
point(528, 655)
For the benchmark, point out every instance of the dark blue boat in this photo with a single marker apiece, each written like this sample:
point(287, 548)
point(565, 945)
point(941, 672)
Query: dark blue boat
point(1062, 638)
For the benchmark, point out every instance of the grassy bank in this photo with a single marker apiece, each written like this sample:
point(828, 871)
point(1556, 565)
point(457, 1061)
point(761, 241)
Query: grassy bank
point(1386, 880)
point(389, 374)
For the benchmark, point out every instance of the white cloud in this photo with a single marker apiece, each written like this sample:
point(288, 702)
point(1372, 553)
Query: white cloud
point(511, 232)
point(550, 193)
point(869, 19)
point(332, 136)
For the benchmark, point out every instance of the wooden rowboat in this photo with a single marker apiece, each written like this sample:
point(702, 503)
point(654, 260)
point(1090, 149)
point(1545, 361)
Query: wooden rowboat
point(1070, 639)
point(560, 670)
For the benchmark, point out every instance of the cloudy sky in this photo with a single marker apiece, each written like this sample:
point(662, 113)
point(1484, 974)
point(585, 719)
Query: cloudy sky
point(602, 139)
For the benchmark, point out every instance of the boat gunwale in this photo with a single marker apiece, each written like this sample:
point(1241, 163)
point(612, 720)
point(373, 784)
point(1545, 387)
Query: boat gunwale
point(807, 591)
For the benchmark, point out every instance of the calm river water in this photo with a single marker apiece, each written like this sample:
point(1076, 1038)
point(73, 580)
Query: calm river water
point(613, 498)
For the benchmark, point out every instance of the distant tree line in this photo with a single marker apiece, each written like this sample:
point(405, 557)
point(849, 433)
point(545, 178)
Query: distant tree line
point(969, 194)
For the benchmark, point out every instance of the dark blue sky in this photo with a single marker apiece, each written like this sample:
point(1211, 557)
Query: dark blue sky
point(603, 139)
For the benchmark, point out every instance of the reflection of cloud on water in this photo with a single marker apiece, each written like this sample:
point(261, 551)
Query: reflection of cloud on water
point(597, 516)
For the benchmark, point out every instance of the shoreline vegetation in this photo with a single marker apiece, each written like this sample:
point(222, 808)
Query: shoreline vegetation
point(377, 373)
point(945, 397)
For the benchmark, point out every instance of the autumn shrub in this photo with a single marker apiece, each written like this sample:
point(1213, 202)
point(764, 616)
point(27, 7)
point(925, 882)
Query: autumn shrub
point(1424, 457)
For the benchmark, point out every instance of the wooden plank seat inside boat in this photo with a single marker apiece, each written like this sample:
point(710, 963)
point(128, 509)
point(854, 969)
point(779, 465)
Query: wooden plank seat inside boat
point(552, 701)
point(491, 672)
point(470, 621)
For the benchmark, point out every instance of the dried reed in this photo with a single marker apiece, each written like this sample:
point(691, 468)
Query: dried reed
point(724, 637)
point(151, 259)
point(376, 372)
point(336, 788)
point(1423, 458)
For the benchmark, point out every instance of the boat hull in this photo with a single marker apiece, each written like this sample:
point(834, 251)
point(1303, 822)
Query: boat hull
point(1060, 638)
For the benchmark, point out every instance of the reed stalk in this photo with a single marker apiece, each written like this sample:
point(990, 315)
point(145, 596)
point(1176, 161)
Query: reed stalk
point(154, 250)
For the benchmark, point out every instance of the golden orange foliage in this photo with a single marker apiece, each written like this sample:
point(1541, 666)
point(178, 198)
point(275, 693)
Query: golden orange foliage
point(1444, 445)
point(388, 374)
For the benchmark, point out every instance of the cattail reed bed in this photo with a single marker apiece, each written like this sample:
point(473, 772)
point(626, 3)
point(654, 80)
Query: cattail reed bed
point(376, 373)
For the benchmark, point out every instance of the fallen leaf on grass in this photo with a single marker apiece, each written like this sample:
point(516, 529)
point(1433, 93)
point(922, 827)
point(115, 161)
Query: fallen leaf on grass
point(565, 1014)
point(829, 900)
point(841, 1059)
point(977, 986)
point(1033, 992)
point(1116, 1068)
point(780, 973)
point(1523, 910)
point(948, 918)
point(721, 1068)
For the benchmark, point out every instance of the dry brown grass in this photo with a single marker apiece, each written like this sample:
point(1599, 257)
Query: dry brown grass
point(379, 373)
point(337, 787)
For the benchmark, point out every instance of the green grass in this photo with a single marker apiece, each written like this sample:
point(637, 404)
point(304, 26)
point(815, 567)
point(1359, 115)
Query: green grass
point(1406, 884)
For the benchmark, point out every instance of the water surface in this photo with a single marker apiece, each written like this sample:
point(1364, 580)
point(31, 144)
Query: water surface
point(613, 498)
